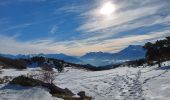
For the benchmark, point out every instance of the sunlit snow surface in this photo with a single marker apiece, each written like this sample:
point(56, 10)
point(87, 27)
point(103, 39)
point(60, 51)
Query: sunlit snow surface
point(123, 83)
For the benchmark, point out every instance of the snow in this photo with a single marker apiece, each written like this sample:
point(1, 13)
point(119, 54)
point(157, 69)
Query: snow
point(123, 83)
point(21, 93)
point(15, 72)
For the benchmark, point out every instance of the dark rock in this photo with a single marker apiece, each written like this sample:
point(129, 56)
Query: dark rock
point(83, 96)
point(54, 90)
point(26, 81)
point(57, 90)
point(65, 94)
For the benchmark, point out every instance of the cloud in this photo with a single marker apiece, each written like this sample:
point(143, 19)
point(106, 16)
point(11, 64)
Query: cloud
point(54, 29)
point(75, 47)
point(130, 15)
point(70, 9)
point(9, 2)
point(13, 46)
point(18, 26)
point(97, 31)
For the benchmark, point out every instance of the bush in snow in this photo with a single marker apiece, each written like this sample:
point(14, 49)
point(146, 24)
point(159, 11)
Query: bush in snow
point(48, 76)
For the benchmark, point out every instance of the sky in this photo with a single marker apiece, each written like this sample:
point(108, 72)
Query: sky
point(75, 27)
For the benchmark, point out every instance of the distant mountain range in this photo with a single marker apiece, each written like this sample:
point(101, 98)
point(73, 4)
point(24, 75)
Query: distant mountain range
point(61, 56)
point(132, 52)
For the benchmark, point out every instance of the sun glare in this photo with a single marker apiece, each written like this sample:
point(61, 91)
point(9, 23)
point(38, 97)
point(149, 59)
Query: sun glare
point(107, 9)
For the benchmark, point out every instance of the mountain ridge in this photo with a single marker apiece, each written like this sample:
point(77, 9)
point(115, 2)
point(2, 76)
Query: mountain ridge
point(132, 52)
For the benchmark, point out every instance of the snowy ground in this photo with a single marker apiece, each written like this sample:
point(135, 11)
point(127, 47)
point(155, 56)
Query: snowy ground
point(117, 84)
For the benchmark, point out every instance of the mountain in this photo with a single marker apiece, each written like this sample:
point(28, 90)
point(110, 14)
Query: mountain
point(61, 56)
point(64, 57)
point(97, 55)
point(14, 56)
point(7, 56)
point(98, 58)
point(131, 52)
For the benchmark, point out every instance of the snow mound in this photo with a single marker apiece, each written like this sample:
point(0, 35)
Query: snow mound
point(20, 93)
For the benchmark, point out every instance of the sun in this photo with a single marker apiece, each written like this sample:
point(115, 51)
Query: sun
point(107, 8)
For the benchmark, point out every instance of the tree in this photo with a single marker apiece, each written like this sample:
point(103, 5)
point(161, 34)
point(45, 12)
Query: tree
point(12, 63)
point(38, 60)
point(59, 65)
point(158, 51)
point(150, 52)
point(160, 48)
point(167, 49)
point(0, 68)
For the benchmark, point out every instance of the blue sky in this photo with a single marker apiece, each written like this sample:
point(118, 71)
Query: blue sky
point(75, 27)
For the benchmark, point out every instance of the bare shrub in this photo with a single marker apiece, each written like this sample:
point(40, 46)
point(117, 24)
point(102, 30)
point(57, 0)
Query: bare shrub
point(45, 76)
point(48, 76)
point(47, 68)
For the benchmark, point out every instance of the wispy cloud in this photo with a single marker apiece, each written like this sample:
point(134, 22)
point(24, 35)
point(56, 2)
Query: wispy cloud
point(19, 26)
point(129, 15)
point(3, 21)
point(7, 2)
point(98, 31)
point(54, 29)
point(32, 0)
point(70, 9)
point(76, 47)
point(11, 2)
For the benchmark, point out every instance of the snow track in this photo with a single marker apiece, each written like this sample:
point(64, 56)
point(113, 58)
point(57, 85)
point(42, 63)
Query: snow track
point(125, 88)
point(106, 84)
point(117, 84)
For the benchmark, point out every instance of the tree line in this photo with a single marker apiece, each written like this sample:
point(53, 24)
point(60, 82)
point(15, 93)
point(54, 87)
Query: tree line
point(12, 63)
point(158, 51)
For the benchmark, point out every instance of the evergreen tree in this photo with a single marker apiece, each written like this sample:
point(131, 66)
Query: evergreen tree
point(158, 51)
